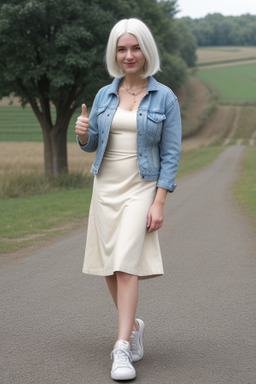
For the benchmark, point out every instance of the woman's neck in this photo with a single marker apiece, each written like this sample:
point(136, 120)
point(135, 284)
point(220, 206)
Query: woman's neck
point(133, 82)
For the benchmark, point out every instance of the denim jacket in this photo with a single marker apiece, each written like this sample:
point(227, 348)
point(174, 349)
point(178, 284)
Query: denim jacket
point(158, 131)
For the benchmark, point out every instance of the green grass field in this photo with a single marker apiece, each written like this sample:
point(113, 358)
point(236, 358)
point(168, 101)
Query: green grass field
point(233, 83)
point(193, 160)
point(20, 124)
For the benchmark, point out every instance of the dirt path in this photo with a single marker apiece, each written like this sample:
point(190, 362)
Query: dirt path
point(58, 326)
point(221, 124)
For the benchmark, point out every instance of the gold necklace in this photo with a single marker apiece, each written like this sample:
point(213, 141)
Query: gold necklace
point(133, 93)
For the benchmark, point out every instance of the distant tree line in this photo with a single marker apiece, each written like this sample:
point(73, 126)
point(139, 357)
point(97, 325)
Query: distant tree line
point(216, 29)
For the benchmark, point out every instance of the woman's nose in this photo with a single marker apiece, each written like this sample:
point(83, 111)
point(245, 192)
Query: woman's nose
point(129, 54)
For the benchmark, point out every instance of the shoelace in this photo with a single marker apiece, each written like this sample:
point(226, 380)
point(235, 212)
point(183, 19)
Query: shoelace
point(121, 356)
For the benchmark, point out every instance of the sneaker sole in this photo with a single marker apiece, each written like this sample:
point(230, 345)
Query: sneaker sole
point(123, 378)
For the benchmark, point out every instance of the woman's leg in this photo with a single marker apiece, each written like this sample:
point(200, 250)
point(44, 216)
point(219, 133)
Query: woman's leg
point(112, 286)
point(127, 299)
point(124, 291)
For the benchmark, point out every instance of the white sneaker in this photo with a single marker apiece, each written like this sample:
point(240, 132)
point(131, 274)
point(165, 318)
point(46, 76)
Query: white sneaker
point(122, 368)
point(137, 350)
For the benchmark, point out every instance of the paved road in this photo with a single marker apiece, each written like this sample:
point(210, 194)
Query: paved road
point(58, 326)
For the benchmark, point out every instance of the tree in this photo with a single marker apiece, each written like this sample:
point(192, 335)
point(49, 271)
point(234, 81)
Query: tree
point(51, 51)
point(174, 66)
point(187, 43)
point(51, 57)
point(216, 29)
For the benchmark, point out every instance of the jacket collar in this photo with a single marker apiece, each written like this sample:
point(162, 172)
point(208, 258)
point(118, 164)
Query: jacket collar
point(152, 85)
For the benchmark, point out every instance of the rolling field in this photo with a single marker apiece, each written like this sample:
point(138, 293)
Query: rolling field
point(221, 55)
point(233, 83)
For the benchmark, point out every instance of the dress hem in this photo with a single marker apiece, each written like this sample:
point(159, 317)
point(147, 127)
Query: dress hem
point(148, 275)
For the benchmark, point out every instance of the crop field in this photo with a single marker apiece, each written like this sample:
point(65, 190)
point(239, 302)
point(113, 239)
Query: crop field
point(213, 55)
point(27, 157)
point(233, 83)
point(20, 124)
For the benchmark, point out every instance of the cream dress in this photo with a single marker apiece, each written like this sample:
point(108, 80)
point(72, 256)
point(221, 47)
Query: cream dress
point(117, 239)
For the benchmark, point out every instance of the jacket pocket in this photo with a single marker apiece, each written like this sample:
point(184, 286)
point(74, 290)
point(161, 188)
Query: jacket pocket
point(155, 123)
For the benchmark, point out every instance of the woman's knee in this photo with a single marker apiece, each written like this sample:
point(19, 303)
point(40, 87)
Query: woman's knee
point(125, 277)
point(111, 278)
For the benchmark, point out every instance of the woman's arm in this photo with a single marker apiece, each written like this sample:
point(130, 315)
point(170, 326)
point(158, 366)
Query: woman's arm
point(156, 212)
point(170, 147)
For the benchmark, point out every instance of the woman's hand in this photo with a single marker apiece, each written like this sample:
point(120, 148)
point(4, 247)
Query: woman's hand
point(155, 217)
point(156, 213)
point(82, 124)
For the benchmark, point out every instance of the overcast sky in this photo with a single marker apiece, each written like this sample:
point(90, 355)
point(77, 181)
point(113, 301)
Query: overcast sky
point(200, 8)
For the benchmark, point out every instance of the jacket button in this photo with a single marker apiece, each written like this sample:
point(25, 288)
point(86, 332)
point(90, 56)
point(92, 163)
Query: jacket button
point(140, 133)
point(140, 114)
point(140, 154)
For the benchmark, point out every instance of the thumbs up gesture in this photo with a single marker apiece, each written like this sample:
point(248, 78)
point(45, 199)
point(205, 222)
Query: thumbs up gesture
point(82, 124)
point(84, 110)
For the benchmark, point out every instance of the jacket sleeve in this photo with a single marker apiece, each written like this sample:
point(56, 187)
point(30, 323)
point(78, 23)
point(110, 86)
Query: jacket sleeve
point(170, 147)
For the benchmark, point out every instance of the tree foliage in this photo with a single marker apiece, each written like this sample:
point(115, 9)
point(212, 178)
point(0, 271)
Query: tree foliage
point(52, 56)
point(218, 30)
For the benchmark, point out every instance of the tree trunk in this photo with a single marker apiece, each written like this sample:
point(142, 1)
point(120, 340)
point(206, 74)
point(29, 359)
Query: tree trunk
point(54, 135)
point(55, 149)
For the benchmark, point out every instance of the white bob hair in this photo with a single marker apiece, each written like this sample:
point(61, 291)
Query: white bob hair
point(146, 41)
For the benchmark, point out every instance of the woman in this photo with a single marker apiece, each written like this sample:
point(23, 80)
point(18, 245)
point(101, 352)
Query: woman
point(135, 128)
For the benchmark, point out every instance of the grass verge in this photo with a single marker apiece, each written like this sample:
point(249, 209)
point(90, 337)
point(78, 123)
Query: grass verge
point(193, 160)
point(17, 185)
point(29, 219)
point(245, 187)
point(36, 216)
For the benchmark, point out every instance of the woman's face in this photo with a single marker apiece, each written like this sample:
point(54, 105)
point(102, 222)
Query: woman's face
point(129, 55)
